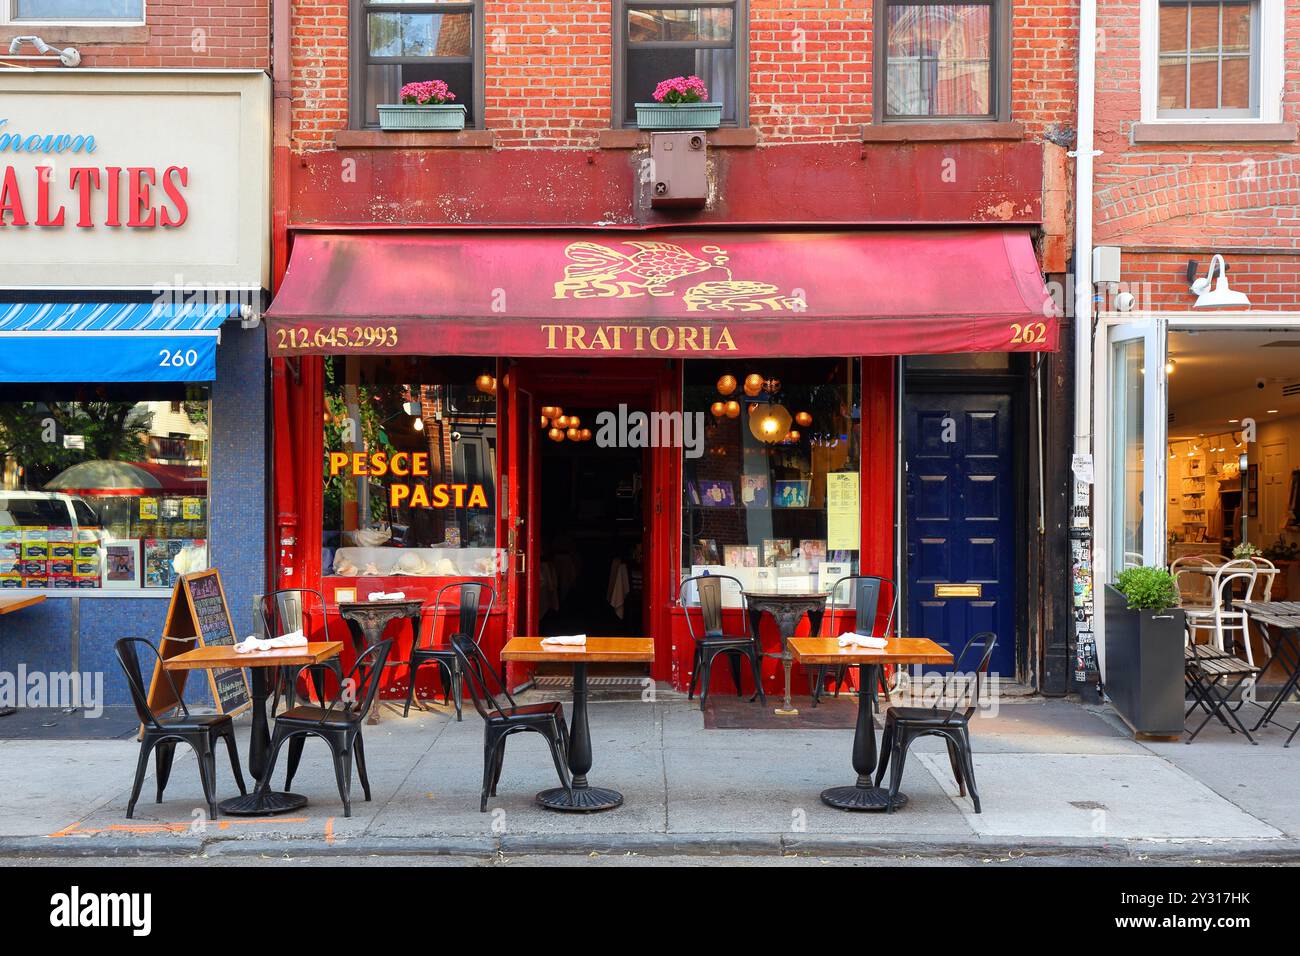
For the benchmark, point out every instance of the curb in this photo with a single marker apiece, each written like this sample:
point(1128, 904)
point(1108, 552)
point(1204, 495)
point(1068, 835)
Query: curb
point(896, 846)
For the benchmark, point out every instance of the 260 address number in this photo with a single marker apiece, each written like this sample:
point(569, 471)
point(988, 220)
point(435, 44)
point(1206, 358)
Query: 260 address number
point(338, 337)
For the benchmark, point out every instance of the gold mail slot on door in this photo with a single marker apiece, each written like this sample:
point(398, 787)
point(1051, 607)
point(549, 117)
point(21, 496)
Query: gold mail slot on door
point(958, 590)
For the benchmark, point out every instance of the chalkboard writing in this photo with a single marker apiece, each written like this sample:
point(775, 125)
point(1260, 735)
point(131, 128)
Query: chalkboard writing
point(208, 600)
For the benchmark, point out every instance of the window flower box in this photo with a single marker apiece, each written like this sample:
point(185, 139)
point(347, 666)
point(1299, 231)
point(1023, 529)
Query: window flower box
point(678, 115)
point(423, 106)
point(679, 103)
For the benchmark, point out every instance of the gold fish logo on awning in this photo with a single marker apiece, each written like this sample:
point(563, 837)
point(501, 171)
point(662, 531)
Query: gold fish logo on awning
point(597, 271)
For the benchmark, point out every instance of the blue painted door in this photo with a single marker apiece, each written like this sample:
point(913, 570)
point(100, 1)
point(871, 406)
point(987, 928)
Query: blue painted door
point(961, 526)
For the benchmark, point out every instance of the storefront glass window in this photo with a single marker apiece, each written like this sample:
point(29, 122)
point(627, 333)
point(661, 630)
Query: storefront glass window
point(772, 496)
point(410, 466)
point(103, 487)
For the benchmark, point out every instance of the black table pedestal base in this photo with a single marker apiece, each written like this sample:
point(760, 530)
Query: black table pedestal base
point(584, 799)
point(861, 798)
point(263, 804)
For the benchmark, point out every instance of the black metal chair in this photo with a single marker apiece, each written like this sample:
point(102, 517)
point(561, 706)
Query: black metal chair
point(546, 718)
point(712, 639)
point(161, 734)
point(296, 609)
point(1212, 677)
point(905, 724)
point(863, 595)
point(469, 600)
point(338, 724)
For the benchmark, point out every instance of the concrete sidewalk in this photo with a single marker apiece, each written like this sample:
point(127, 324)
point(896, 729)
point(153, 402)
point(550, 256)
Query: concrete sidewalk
point(1055, 778)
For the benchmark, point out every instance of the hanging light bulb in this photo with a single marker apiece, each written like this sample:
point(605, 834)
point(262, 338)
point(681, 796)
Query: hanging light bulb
point(555, 434)
point(753, 384)
point(718, 409)
point(726, 384)
point(769, 423)
point(418, 424)
point(732, 409)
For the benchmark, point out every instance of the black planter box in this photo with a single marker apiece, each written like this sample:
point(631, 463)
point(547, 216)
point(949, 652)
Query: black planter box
point(1144, 666)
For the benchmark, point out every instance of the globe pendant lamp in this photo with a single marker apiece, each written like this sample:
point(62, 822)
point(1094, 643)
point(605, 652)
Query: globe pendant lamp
point(769, 422)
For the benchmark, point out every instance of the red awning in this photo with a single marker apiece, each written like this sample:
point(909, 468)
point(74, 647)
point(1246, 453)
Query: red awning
point(678, 294)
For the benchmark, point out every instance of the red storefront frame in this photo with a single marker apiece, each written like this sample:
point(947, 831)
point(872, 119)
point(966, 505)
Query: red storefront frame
point(300, 409)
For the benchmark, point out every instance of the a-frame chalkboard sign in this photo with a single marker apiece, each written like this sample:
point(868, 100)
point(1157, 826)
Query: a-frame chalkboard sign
point(198, 616)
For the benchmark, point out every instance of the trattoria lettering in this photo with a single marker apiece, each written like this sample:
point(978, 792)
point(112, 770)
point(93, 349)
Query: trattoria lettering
point(137, 197)
point(638, 338)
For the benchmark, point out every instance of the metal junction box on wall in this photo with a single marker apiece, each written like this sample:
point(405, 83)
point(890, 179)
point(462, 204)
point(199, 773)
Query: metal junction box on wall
point(679, 168)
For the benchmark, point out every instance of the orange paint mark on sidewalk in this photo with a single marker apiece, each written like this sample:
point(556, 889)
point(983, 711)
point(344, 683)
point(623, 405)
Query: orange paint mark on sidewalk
point(329, 830)
point(76, 829)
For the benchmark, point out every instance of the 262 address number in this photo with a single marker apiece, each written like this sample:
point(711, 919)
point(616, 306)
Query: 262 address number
point(1031, 333)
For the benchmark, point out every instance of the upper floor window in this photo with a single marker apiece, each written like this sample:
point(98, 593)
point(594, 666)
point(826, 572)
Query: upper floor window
point(659, 40)
point(1212, 61)
point(941, 60)
point(73, 11)
point(1209, 58)
point(395, 42)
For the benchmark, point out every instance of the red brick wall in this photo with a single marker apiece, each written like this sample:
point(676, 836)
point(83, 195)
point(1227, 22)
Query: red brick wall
point(177, 34)
point(548, 70)
point(1194, 199)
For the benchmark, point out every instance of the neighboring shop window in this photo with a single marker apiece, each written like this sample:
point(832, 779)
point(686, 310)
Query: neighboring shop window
point(103, 487)
point(1208, 59)
point(661, 41)
point(939, 60)
point(410, 466)
point(50, 11)
point(771, 495)
point(396, 42)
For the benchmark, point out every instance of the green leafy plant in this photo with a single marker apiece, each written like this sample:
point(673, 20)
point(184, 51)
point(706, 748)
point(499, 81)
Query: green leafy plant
point(1245, 550)
point(1281, 550)
point(1148, 589)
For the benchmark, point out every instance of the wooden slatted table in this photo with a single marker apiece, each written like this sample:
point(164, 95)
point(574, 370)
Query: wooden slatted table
point(598, 650)
point(814, 651)
point(1284, 618)
point(259, 803)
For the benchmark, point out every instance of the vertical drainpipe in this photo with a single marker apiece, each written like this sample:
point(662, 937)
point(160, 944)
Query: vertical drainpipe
point(1083, 228)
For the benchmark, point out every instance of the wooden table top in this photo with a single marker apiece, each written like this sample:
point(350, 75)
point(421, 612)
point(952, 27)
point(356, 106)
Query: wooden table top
point(1285, 614)
point(226, 656)
point(8, 604)
point(598, 650)
point(900, 650)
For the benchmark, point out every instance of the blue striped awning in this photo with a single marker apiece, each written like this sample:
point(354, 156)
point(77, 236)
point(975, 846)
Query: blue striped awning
point(110, 341)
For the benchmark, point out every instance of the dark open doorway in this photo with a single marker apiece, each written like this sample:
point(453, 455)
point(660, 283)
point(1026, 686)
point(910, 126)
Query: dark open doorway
point(592, 530)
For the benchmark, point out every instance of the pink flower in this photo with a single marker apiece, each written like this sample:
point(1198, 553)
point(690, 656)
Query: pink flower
point(430, 92)
point(681, 89)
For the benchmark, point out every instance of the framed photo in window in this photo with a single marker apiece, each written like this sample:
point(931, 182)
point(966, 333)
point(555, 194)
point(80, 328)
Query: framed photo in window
point(121, 570)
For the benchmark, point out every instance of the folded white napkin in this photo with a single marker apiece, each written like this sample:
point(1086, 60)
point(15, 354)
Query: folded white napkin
point(572, 640)
point(862, 640)
point(387, 596)
point(253, 643)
